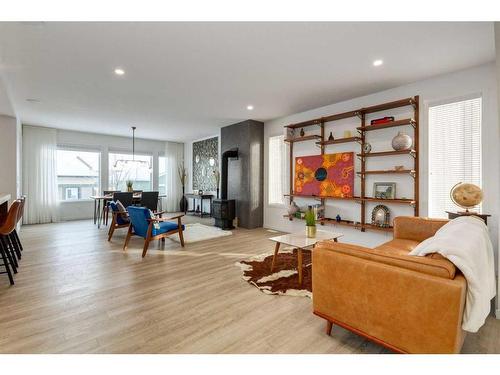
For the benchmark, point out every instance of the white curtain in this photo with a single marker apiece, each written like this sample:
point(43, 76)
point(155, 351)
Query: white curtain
point(40, 175)
point(174, 157)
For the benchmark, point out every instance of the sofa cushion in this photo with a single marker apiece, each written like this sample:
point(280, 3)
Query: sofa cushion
point(436, 267)
point(398, 246)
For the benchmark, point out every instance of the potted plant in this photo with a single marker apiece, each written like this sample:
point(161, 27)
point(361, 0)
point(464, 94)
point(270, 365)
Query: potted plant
point(310, 223)
point(129, 184)
point(182, 172)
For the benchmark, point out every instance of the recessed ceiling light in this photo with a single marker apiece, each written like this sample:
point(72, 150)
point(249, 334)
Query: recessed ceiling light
point(250, 107)
point(378, 62)
point(119, 71)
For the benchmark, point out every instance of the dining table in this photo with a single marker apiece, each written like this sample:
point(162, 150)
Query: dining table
point(101, 200)
point(4, 205)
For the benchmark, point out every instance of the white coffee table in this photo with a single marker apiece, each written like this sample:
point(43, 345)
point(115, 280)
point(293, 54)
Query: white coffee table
point(300, 241)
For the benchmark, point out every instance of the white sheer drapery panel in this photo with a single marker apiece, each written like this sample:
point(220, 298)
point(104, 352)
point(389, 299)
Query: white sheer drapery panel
point(174, 157)
point(40, 175)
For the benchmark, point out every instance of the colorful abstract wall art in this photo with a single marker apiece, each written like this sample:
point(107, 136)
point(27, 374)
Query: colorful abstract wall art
point(330, 175)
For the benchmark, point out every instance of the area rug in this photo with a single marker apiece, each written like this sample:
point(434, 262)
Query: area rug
point(284, 280)
point(198, 232)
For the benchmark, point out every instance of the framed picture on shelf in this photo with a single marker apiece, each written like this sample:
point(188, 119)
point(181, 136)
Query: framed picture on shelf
point(384, 190)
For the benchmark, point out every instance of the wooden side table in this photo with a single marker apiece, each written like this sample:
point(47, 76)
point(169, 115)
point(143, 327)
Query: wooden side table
point(454, 215)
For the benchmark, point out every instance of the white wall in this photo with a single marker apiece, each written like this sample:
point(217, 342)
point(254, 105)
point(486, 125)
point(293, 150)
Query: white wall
point(8, 156)
point(480, 79)
point(104, 143)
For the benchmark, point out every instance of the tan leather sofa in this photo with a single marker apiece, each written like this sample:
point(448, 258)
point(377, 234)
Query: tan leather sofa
point(409, 304)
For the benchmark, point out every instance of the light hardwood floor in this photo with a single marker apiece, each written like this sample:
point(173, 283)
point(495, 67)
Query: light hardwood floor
point(77, 293)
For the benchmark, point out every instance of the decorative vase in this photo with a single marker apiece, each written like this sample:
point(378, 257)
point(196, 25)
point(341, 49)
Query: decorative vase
point(292, 209)
point(401, 142)
point(330, 137)
point(302, 132)
point(217, 193)
point(311, 231)
point(183, 204)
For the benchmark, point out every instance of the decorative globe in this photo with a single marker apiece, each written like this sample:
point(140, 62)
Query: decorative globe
point(466, 195)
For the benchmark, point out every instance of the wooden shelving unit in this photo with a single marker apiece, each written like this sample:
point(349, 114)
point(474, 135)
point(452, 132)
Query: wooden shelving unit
point(392, 124)
point(340, 140)
point(304, 138)
point(363, 129)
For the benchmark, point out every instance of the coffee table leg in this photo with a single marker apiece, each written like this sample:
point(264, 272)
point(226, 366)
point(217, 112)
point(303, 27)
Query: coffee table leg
point(276, 249)
point(299, 264)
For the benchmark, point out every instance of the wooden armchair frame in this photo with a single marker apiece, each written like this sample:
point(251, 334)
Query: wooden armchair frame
point(114, 223)
point(150, 237)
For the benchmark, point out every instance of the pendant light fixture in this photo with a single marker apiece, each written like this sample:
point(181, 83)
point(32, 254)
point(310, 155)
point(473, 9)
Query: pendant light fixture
point(121, 163)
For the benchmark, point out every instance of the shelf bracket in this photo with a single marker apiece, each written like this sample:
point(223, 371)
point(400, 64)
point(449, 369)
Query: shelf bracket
point(413, 173)
point(413, 153)
point(413, 123)
point(359, 141)
point(412, 204)
point(413, 103)
point(358, 114)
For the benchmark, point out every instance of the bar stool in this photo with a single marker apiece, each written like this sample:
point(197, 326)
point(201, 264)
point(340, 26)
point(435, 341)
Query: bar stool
point(7, 248)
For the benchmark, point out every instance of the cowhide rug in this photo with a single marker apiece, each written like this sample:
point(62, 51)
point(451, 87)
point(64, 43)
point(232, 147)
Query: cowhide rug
point(284, 280)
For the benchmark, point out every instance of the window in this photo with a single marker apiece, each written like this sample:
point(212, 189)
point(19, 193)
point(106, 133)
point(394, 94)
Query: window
point(277, 160)
point(162, 175)
point(77, 174)
point(454, 150)
point(124, 167)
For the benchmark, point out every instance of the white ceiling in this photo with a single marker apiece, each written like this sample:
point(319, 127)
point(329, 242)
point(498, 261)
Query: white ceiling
point(185, 80)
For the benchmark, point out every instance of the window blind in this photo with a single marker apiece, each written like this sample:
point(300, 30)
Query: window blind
point(277, 181)
point(454, 151)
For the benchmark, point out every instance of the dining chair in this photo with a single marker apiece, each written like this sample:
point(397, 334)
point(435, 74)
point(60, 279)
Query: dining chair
point(120, 219)
point(149, 199)
point(14, 237)
point(105, 206)
point(151, 228)
point(7, 248)
point(126, 198)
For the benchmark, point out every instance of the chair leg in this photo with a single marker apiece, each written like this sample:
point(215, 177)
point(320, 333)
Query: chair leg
point(8, 254)
point(6, 264)
point(18, 240)
point(111, 231)
point(181, 236)
point(146, 245)
point(127, 239)
point(15, 245)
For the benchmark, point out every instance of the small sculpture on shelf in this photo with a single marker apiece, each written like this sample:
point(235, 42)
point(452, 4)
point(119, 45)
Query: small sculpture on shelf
point(367, 148)
point(347, 134)
point(330, 137)
point(293, 208)
point(338, 218)
point(402, 142)
point(381, 216)
point(302, 132)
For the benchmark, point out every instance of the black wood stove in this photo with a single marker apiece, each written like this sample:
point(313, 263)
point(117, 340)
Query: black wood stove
point(224, 210)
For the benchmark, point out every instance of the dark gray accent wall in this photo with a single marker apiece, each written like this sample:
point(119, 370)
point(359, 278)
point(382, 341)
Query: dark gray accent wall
point(246, 175)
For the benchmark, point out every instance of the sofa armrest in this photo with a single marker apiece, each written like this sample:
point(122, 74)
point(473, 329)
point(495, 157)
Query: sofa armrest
point(430, 266)
point(416, 228)
point(405, 309)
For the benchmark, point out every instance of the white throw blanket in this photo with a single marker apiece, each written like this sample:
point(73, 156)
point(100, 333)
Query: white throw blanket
point(466, 243)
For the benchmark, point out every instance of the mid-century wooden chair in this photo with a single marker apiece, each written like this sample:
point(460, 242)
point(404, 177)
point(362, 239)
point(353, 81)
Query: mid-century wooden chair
point(151, 228)
point(120, 219)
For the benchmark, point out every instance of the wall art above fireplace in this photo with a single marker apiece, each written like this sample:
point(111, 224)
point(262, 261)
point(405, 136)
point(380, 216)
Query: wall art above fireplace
point(205, 162)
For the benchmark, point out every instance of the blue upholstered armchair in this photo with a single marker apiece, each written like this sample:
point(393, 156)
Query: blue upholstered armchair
point(120, 219)
point(151, 228)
